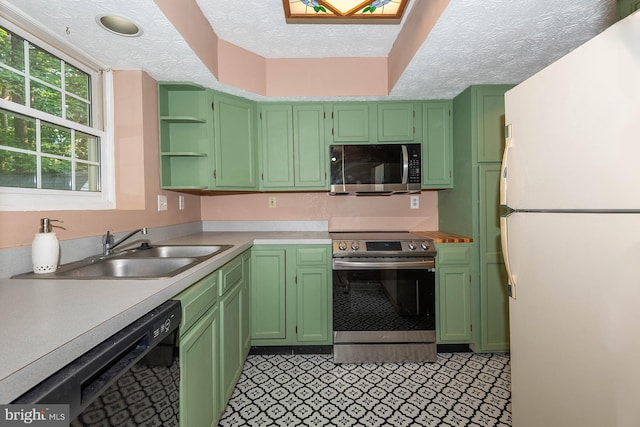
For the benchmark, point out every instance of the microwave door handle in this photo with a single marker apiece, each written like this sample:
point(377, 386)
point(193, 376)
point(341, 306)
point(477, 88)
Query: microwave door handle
point(405, 164)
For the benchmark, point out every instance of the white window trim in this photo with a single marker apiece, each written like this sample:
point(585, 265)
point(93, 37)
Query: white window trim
point(14, 199)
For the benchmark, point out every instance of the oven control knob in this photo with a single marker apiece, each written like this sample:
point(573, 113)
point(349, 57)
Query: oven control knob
point(412, 246)
point(355, 246)
point(424, 246)
point(342, 246)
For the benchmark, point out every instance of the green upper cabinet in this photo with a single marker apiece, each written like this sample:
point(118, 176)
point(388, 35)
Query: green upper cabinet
point(627, 7)
point(235, 143)
point(351, 122)
point(310, 154)
point(293, 147)
point(186, 131)
point(490, 123)
point(276, 139)
point(396, 122)
point(437, 132)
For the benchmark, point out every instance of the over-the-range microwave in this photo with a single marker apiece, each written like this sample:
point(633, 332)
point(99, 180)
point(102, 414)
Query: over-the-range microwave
point(375, 168)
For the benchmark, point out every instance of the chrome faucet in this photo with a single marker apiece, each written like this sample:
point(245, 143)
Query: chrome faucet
point(108, 240)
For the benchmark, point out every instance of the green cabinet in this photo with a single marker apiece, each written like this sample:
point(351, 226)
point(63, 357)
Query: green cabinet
point(351, 122)
point(291, 295)
point(186, 127)
point(293, 147)
point(200, 403)
point(453, 293)
point(494, 302)
point(627, 7)
point(396, 122)
point(268, 289)
point(232, 325)
point(437, 159)
point(471, 208)
point(235, 143)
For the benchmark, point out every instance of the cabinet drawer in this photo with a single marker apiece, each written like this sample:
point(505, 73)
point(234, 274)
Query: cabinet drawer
point(196, 300)
point(231, 274)
point(312, 256)
point(454, 254)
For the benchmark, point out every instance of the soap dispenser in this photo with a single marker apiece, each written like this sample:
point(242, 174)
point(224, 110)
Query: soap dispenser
point(45, 249)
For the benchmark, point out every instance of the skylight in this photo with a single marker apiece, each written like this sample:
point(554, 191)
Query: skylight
point(344, 11)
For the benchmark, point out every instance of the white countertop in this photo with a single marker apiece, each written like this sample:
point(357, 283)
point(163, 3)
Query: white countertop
point(46, 324)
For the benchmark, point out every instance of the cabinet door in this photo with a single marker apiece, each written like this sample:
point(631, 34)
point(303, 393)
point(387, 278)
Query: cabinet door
point(277, 146)
point(351, 122)
point(627, 7)
point(396, 121)
point(200, 403)
point(246, 303)
point(453, 293)
point(310, 153)
point(231, 345)
point(490, 122)
point(312, 314)
point(437, 145)
point(268, 304)
point(494, 301)
point(234, 143)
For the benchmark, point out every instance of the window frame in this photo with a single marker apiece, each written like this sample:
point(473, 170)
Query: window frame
point(102, 113)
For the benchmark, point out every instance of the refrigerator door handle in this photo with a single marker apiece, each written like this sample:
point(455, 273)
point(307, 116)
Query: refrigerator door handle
point(505, 254)
point(503, 169)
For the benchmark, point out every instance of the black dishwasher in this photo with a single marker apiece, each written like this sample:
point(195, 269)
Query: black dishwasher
point(130, 379)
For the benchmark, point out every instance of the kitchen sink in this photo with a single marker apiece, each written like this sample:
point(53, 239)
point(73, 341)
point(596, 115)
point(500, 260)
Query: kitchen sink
point(176, 251)
point(128, 268)
point(143, 262)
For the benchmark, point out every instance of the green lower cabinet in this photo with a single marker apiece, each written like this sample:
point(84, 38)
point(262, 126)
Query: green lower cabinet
point(312, 305)
point(291, 295)
point(245, 332)
point(231, 345)
point(453, 293)
point(233, 325)
point(199, 352)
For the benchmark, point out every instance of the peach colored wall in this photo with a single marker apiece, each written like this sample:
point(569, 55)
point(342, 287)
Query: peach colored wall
point(417, 26)
point(188, 19)
point(342, 212)
point(327, 77)
point(241, 68)
point(137, 177)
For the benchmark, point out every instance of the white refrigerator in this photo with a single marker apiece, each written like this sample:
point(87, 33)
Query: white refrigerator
point(571, 242)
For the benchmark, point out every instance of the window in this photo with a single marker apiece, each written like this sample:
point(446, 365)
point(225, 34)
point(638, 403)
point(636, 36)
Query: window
point(52, 137)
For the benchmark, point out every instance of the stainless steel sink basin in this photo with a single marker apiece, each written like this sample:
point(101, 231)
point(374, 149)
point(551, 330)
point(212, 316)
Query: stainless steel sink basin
point(176, 251)
point(145, 262)
point(129, 268)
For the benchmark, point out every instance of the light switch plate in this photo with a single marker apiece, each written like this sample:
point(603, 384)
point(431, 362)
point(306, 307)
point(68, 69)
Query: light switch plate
point(272, 202)
point(162, 203)
point(181, 203)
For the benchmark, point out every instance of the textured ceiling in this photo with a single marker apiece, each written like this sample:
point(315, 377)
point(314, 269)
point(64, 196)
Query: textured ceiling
point(475, 41)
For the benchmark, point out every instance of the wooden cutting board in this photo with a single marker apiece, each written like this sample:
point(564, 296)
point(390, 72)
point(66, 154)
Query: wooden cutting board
point(443, 237)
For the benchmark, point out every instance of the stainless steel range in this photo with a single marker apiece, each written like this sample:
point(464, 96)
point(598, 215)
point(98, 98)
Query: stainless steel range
point(383, 297)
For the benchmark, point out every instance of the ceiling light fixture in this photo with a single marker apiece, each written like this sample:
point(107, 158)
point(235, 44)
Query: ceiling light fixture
point(344, 11)
point(119, 25)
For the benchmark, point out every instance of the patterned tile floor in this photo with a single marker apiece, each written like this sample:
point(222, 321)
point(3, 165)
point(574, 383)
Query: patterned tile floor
point(460, 389)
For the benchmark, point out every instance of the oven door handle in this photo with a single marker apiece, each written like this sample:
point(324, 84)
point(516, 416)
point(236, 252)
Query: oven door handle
point(341, 264)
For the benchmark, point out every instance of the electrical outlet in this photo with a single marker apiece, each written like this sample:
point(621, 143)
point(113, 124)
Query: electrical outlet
point(162, 203)
point(181, 203)
point(272, 202)
point(414, 202)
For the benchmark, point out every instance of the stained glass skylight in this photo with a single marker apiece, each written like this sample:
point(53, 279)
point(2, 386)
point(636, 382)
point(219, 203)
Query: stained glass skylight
point(344, 11)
